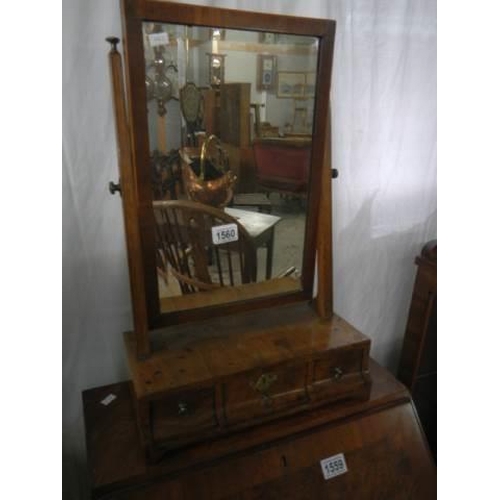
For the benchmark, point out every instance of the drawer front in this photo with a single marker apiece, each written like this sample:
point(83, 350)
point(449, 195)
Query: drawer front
point(264, 393)
point(182, 415)
point(338, 375)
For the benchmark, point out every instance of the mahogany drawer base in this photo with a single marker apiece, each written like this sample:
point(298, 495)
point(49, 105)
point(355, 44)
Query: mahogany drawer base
point(219, 377)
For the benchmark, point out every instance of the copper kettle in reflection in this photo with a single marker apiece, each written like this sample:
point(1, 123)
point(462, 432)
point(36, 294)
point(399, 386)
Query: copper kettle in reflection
point(206, 175)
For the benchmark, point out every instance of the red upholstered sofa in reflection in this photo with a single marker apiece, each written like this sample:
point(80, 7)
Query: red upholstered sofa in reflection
point(282, 164)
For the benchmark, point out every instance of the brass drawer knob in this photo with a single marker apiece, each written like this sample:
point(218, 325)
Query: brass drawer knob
point(337, 373)
point(264, 383)
point(182, 409)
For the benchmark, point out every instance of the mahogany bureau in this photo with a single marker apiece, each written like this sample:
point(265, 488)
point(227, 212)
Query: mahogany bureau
point(385, 452)
point(418, 363)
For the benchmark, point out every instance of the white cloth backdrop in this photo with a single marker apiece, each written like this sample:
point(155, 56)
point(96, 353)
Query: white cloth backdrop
point(384, 140)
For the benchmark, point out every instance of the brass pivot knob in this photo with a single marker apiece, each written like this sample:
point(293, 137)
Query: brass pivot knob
point(113, 188)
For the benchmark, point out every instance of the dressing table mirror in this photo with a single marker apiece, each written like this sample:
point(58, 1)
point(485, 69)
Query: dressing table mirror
point(202, 126)
point(222, 121)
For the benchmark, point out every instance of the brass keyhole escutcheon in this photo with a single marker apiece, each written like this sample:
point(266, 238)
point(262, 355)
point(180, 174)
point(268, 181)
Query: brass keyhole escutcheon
point(264, 383)
point(263, 386)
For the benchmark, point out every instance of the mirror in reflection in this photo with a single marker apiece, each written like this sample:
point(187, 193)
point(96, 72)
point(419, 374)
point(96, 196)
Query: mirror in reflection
point(230, 116)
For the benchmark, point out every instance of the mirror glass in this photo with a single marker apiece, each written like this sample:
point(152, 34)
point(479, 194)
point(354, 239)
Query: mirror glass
point(230, 116)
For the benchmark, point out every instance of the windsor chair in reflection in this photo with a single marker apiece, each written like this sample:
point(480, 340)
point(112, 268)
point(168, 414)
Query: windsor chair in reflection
point(189, 250)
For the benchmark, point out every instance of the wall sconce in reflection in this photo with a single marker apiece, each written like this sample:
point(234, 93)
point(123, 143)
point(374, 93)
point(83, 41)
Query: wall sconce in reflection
point(216, 69)
point(215, 60)
point(161, 77)
point(216, 35)
point(160, 85)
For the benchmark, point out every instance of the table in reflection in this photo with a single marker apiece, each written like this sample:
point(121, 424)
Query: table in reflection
point(261, 228)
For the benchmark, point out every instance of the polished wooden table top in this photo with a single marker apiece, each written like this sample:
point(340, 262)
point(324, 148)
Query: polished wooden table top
point(256, 223)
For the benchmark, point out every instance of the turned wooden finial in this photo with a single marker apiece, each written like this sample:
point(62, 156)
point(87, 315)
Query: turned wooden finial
point(114, 41)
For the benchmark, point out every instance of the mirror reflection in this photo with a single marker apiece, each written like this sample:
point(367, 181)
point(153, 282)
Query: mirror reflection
point(230, 116)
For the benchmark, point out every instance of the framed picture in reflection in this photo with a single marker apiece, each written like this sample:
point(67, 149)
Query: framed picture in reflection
point(291, 84)
point(266, 72)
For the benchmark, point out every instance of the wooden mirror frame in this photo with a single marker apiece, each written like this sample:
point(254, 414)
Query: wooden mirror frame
point(136, 183)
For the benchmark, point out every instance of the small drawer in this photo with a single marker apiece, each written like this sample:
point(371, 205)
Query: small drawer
point(264, 393)
point(180, 416)
point(339, 374)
